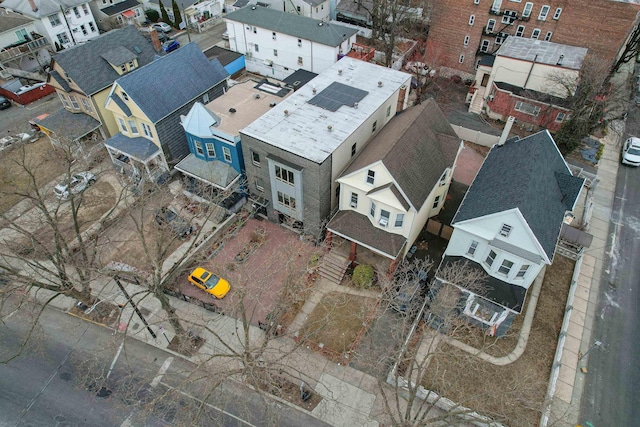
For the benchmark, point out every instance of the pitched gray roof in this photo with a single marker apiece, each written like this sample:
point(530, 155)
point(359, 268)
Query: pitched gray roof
point(529, 175)
point(45, 7)
point(416, 147)
point(12, 20)
point(118, 55)
point(181, 3)
point(61, 80)
point(172, 81)
point(85, 63)
point(120, 7)
point(294, 25)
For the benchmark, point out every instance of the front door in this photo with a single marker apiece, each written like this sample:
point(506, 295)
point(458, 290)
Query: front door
point(485, 80)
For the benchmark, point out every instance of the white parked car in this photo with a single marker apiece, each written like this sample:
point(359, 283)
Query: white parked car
point(77, 184)
point(161, 26)
point(631, 152)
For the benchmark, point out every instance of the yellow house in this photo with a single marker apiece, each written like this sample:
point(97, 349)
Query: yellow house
point(83, 77)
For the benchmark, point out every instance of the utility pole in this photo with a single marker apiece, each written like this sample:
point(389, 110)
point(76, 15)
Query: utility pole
point(186, 24)
point(64, 16)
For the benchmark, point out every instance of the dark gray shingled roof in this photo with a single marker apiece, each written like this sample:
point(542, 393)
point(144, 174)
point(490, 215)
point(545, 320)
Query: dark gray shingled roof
point(529, 175)
point(61, 80)
point(118, 55)
point(138, 148)
point(170, 82)
point(68, 124)
point(120, 7)
point(85, 65)
point(293, 25)
point(416, 147)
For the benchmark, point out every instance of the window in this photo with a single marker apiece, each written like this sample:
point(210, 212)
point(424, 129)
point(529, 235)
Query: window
point(547, 38)
point(443, 179)
point(531, 109)
point(198, 146)
point(461, 59)
point(256, 47)
point(259, 184)
point(255, 158)
point(284, 175)
point(482, 310)
point(372, 210)
point(299, 43)
point(353, 150)
point(560, 117)
point(484, 47)
point(273, 36)
point(54, 20)
point(123, 126)
point(495, 7)
point(556, 15)
point(490, 258)
point(505, 267)
point(86, 105)
point(466, 41)
point(542, 16)
point(509, 16)
point(298, 9)
point(255, 30)
point(275, 52)
point(354, 200)
point(133, 127)
point(84, 29)
point(371, 175)
point(286, 200)
point(65, 101)
point(505, 230)
point(491, 25)
point(523, 270)
point(472, 19)
point(227, 156)
point(211, 149)
point(476, 1)
point(125, 96)
point(123, 68)
point(388, 110)
point(477, 64)
point(526, 12)
point(436, 202)
point(74, 102)
point(472, 248)
point(147, 130)
point(77, 12)
point(520, 31)
point(501, 38)
point(384, 217)
point(63, 38)
point(399, 220)
point(22, 35)
point(299, 60)
point(374, 126)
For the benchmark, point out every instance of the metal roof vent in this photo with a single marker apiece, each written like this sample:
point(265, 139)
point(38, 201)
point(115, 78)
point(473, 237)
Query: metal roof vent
point(232, 110)
point(330, 128)
point(340, 71)
point(273, 104)
point(355, 105)
point(256, 96)
point(379, 83)
point(314, 90)
point(286, 112)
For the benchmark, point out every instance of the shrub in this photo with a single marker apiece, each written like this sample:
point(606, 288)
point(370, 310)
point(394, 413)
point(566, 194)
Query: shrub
point(152, 15)
point(363, 276)
point(600, 151)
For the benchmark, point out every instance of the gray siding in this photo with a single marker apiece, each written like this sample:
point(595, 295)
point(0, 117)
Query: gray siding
point(316, 182)
point(171, 133)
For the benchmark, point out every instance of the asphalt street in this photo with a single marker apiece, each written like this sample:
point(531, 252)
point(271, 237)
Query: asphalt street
point(611, 393)
point(75, 373)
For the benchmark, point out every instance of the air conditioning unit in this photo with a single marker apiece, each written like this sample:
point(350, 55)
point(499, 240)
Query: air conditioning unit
point(490, 98)
point(353, 205)
point(383, 222)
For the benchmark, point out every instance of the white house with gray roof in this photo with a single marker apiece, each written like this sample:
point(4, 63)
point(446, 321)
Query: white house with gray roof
point(316, 9)
point(297, 150)
point(276, 43)
point(508, 225)
point(75, 26)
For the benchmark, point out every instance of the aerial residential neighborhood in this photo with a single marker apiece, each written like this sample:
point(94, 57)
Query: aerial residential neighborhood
point(310, 213)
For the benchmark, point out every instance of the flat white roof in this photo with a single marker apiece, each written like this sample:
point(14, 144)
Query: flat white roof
point(543, 52)
point(248, 102)
point(304, 130)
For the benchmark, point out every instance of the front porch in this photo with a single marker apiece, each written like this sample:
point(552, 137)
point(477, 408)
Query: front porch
point(136, 158)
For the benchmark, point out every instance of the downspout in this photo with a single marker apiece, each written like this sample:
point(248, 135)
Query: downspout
point(530, 71)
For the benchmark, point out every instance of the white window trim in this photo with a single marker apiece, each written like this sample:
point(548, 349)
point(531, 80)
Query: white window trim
point(226, 152)
point(472, 307)
point(465, 42)
point(526, 11)
point(544, 12)
point(519, 30)
point(557, 13)
point(472, 19)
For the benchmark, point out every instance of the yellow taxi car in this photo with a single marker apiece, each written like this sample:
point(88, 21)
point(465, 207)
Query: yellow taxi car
point(209, 282)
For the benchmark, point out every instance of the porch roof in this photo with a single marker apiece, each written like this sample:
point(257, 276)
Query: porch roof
point(357, 228)
point(68, 125)
point(498, 291)
point(140, 149)
point(216, 173)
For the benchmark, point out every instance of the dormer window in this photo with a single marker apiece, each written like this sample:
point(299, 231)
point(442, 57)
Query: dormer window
point(370, 176)
point(125, 96)
point(123, 68)
point(505, 230)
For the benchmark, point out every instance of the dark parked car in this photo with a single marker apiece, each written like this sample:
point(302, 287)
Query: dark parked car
point(4, 103)
point(170, 45)
point(167, 217)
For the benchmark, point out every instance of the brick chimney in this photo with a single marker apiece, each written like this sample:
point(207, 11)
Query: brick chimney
point(32, 3)
point(401, 96)
point(154, 38)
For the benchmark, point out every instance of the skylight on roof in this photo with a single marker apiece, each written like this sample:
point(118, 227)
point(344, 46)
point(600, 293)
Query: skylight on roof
point(336, 95)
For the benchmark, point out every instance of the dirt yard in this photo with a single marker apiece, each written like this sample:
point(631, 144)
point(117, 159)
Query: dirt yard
point(514, 393)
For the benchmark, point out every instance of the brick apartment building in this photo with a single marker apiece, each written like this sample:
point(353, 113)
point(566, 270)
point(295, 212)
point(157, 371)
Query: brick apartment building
point(463, 31)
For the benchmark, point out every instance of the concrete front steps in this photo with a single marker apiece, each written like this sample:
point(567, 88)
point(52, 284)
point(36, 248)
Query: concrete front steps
point(333, 267)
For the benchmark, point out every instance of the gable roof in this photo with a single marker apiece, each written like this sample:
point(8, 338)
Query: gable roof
point(168, 83)
point(120, 7)
point(44, 7)
point(325, 33)
point(529, 175)
point(86, 65)
point(416, 147)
